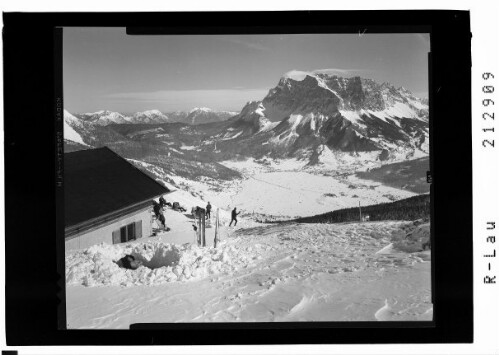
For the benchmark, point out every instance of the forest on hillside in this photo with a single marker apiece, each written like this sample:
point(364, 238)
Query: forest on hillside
point(415, 207)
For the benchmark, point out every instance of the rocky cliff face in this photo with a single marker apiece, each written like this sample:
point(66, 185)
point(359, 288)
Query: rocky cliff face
point(306, 112)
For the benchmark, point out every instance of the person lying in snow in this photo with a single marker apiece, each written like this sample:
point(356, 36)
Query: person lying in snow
point(128, 262)
point(176, 207)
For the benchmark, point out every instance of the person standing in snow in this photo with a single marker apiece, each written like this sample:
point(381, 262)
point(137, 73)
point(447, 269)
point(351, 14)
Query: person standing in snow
point(208, 210)
point(162, 201)
point(234, 217)
point(159, 213)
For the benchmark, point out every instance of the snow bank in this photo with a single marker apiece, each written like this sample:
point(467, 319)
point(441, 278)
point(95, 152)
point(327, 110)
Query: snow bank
point(69, 132)
point(161, 263)
point(275, 272)
point(326, 156)
point(412, 237)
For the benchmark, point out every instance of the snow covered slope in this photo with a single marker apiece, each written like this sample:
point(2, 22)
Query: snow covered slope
point(282, 272)
point(68, 130)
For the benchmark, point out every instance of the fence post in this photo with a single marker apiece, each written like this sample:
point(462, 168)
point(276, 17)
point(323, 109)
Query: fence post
point(203, 224)
point(198, 232)
point(216, 230)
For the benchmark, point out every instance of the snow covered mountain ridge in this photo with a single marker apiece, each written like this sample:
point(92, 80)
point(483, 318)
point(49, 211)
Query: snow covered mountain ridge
point(311, 115)
point(314, 117)
point(195, 116)
point(354, 94)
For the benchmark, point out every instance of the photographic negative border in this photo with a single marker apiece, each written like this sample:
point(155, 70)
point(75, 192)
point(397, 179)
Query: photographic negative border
point(36, 285)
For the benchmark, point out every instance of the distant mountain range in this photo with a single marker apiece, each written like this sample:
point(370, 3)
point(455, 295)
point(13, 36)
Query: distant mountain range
point(310, 116)
point(194, 116)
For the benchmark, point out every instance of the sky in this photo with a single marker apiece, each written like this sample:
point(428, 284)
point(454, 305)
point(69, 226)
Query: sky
point(106, 69)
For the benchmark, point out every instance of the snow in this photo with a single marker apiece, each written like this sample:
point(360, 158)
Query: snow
point(286, 193)
point(259, 110)
point(149, 116)
point(236, 135)
point(295, 121)
point(303, 193)
point(325, 86)
point(372, 271)
point(418, 105)
point(267, 125)
point(161, 263)
point(69, 132)
point(326, 156)
point(397, 110)
point(312, 124)
point(354, 117)
point(188, 147)
point(204, 109)
point(177, 151)
point(106, 117)
point(280, 272)
point(412, 241)
point(400, 109)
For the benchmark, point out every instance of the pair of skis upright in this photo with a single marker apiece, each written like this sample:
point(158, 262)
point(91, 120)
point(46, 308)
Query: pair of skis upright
point(201, 226)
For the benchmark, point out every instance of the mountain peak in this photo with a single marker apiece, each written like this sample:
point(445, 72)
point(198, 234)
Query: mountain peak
point(353, 114)
point(152, 112)
point(203, 109)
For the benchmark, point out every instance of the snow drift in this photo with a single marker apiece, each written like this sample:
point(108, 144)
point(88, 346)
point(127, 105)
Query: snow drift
point(412, 237)
point(161, 263)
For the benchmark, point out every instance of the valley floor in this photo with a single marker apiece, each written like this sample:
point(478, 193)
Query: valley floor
point(259, 273)
point(287, 194)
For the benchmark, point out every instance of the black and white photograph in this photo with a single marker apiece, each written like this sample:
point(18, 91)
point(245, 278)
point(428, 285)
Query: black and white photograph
point(246, 178)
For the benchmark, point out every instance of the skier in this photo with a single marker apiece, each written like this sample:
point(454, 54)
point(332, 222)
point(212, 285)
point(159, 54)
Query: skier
point(208, 210)
point(234, 217)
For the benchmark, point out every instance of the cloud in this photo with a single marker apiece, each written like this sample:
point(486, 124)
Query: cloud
point(336, 71)
point(300, 75)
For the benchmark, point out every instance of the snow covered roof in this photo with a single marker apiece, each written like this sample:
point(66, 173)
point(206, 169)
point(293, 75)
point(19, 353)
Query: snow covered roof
point(99, 183)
